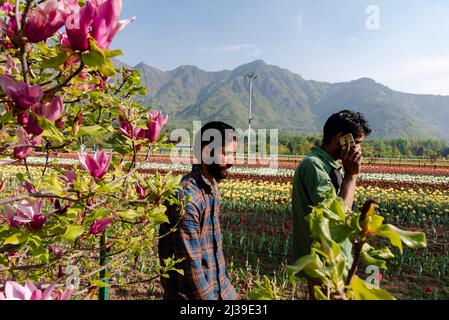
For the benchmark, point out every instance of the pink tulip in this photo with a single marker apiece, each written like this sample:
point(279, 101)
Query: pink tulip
point(157, 122)
point(100, 224)
point(23, 152)
point(45, 20)
point(78, 31)
point(23, 95)
point(97, 165)
point(14, 291)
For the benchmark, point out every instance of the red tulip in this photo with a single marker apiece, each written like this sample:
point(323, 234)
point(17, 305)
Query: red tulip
point(99, 225)
point(157, 122)
point(429, 290)
point(23, 95)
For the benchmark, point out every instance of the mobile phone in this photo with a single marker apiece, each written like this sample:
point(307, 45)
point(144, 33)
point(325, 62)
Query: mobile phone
point(347, 142)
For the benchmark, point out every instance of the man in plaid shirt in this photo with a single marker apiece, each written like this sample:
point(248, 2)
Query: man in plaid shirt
point(198, 237)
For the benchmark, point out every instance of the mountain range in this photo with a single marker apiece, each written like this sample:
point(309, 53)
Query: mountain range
point(286, 101)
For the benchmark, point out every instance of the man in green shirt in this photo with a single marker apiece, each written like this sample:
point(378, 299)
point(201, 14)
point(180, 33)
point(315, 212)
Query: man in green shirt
point(321, 172)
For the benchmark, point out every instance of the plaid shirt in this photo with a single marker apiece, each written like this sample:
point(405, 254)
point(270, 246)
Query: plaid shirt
point(198, 240)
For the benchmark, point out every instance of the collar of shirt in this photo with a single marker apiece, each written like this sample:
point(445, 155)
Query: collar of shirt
point(211, 187)
point(319, 152)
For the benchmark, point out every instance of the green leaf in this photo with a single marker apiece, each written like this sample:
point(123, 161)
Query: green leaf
point(113, 53)
point(340, 232)
point(383, 253)
point(362, 292)
point(16, 239)
point(128, 215)
point(97, 214)
point(107, 68)
point(95, 57)
point(376, 222)
point(73, 232)
point(337, 207)
point(6, 117)
point(55, 61)
point(93, 131)
point(50, 130)
point(319, 294)
point(99, 284)
point(157, 215)
point(369, 260)
point(414, 240)
point(392, 236)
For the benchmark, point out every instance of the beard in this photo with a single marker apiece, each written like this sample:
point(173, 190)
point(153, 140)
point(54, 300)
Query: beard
point(219, 172)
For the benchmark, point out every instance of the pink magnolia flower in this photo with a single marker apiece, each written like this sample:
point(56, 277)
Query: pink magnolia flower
point(52, 110)
point(98, 19)
point(100, 224)
point(106, 24)
point(10, 65)
point(127, 130)
point(157, 122)
point(23, 95)
point(77, 31)
point(26, 144)
point(26, 212)
point(141, 191)
point(69, 177)
point(97, 165)
point(14, 291)
point(45, 20)
point(30, 187)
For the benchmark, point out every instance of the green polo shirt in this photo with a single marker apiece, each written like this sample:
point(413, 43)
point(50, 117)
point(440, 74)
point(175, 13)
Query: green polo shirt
point(311, 183)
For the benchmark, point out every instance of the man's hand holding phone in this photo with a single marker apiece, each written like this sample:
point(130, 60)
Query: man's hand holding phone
point(351, 155)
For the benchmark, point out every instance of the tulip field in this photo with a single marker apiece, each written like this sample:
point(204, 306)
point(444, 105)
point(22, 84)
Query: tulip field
point(256, 223)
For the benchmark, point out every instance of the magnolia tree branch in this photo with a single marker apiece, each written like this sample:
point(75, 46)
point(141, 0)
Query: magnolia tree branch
point(22, 41)
point(36, 195)
point(67, 81)
point(355, 262)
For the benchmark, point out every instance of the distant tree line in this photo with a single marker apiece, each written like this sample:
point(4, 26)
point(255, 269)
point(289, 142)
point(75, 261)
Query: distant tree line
point(290, 143)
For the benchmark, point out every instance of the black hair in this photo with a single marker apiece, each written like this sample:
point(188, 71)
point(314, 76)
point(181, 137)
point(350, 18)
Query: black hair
point(221, 127)
point(345, 122)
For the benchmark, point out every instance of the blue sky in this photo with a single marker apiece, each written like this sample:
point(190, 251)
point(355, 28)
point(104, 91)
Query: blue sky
point(323, 40)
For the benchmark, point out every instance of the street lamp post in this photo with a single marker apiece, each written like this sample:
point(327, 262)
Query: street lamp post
point(251, 76)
